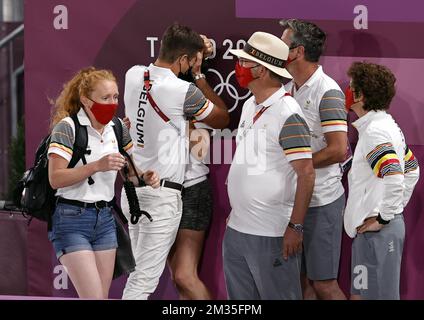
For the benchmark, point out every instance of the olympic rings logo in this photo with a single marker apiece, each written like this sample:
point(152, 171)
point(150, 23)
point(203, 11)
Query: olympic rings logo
point(231, 89)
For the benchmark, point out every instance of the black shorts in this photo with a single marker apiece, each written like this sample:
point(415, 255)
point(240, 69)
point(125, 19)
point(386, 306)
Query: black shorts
point(197, 207)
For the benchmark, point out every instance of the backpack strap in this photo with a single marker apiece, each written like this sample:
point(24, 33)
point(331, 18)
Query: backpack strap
point(119, 133)
point(80, 145)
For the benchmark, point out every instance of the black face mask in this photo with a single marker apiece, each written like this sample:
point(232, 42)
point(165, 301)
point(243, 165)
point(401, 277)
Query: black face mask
point(186, 75)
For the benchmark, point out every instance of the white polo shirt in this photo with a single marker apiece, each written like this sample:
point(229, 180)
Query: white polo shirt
point(196, 170)
point(323, 104)
point(261, 181)
point(62, 143)
point(158, 145)
point(383, 174)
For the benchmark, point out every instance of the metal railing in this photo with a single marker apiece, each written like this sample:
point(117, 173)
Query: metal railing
point(11, 36)
point(14, 74)
point(11, 10)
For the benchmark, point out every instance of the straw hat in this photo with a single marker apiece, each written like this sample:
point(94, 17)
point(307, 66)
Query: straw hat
point(267, 50)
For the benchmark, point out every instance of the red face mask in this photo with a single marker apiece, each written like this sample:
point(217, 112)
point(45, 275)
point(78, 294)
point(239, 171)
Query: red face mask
point(349, 98)
point(103, 112)
point(289, 61)
point(244, 75)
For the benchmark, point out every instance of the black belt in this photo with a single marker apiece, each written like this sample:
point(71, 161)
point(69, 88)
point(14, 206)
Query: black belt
point(172, 185)
point(98, 205)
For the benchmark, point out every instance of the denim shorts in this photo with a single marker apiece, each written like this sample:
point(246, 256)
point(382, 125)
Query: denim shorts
point(75, 228)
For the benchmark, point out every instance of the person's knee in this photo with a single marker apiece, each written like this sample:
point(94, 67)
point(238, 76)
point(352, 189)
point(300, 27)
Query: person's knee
point(184, 279)
point(325, 287)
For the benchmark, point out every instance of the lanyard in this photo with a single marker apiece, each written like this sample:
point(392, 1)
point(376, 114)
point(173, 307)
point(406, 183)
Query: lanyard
point(155, 107)
point(257, 116)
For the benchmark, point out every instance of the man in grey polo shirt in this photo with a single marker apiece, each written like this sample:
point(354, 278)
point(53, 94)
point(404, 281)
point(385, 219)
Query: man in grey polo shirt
point(322, 102)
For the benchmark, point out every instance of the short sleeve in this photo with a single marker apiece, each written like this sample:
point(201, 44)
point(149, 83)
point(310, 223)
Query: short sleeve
point(332, 111)
point(62, 140)
point(295, 138)
point(126, 138)
point(195, 104)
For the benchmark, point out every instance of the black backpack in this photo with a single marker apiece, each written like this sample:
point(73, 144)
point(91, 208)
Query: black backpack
point(34, 194)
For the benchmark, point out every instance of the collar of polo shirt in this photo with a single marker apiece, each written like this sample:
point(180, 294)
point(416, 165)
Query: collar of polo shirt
point(314, 78)
point(273, 98)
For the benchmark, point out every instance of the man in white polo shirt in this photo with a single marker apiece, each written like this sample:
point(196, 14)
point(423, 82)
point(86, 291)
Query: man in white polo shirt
point(322, 103)
point(270, 181)
point(158, 103)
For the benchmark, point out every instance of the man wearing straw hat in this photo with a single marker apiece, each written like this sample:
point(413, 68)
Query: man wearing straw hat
point(270, 181)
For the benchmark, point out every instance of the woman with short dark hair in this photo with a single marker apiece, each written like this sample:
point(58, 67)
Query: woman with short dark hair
point(383, 175)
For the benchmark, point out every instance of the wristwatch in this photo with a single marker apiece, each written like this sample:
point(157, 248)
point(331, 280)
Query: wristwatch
point(296, 227)
point(380, 220)
point(199, 76)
